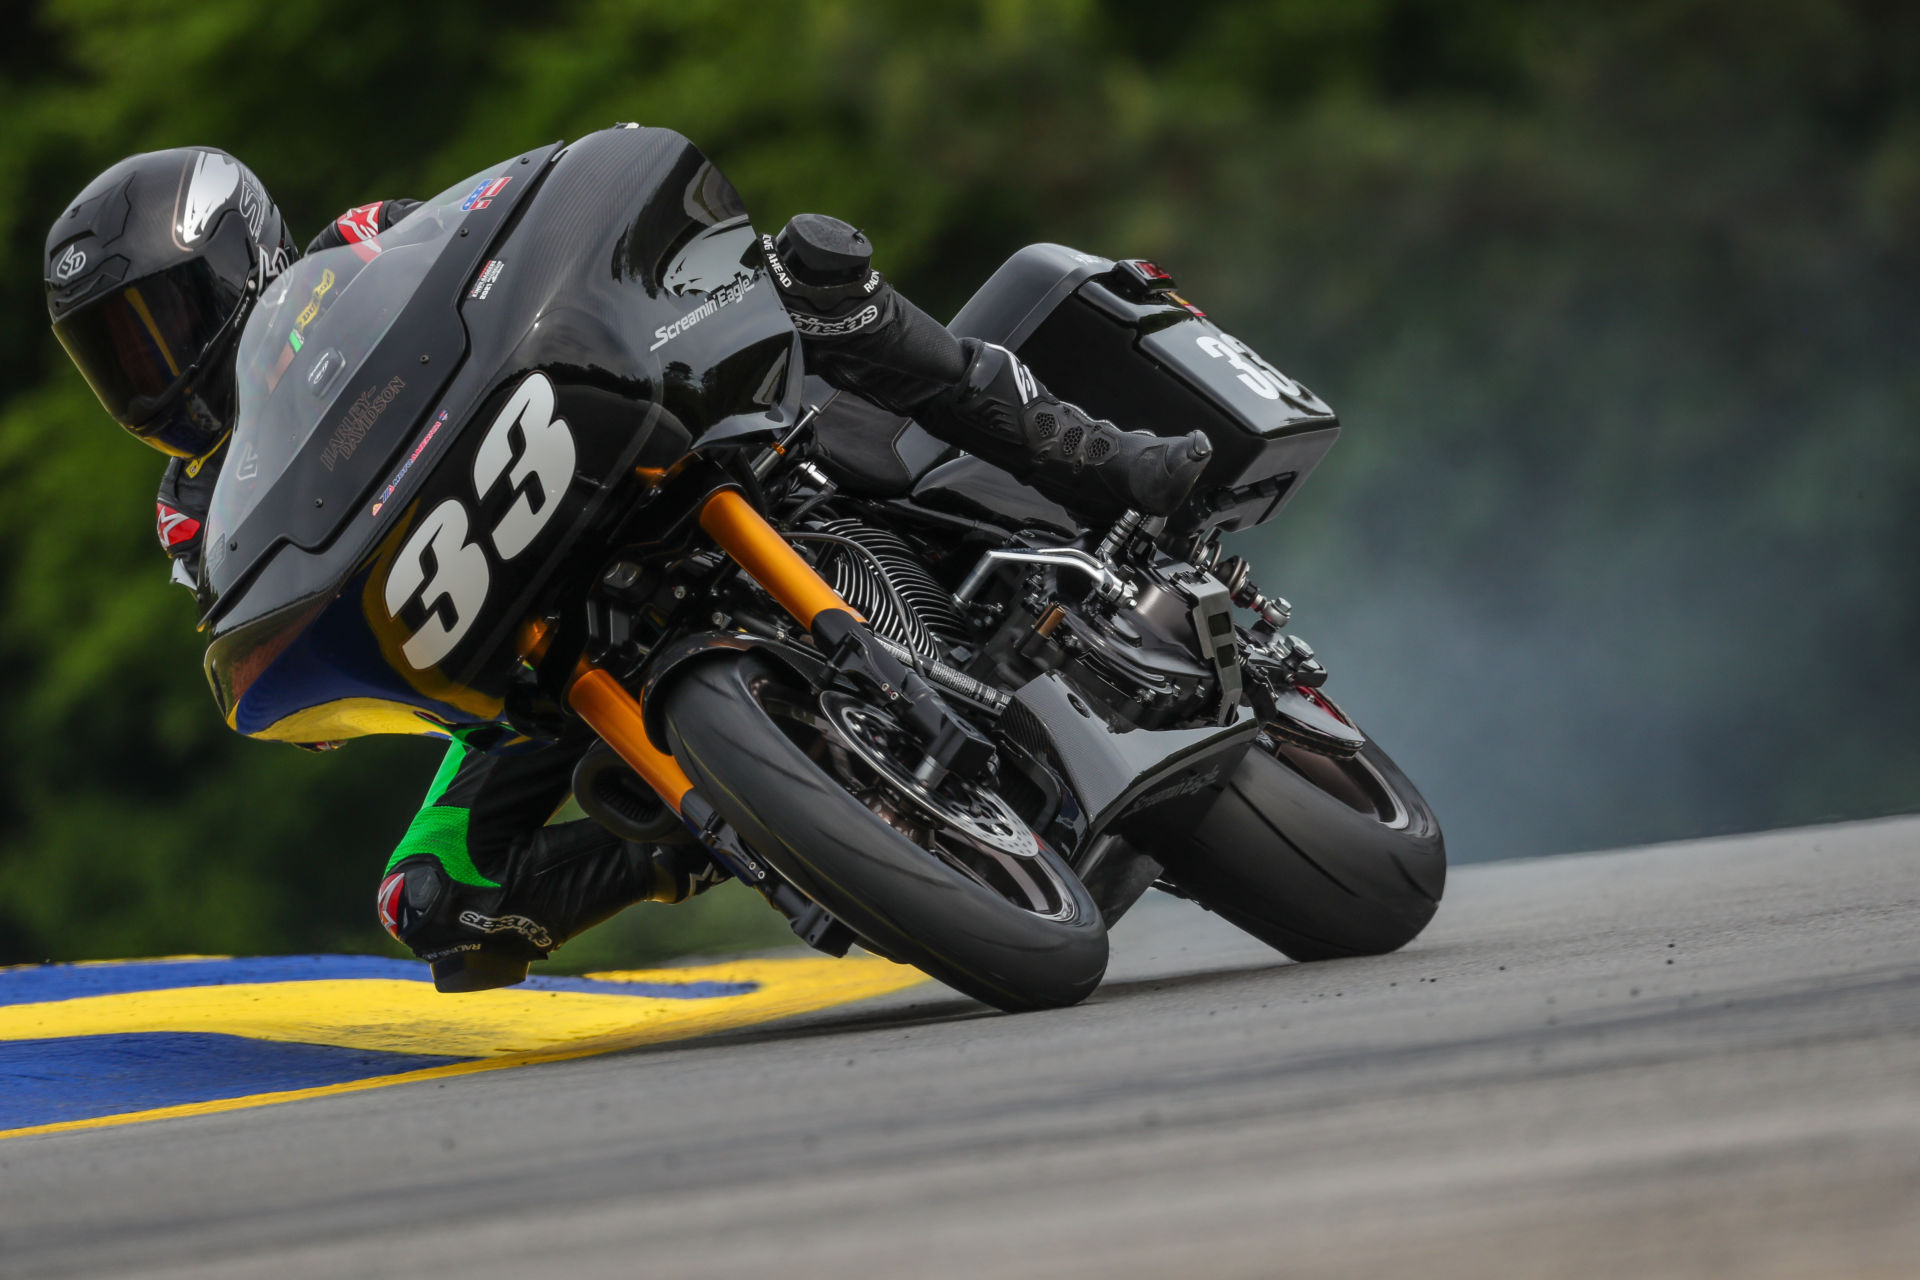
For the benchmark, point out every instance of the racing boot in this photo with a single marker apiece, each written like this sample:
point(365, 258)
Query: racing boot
point(558, 882)
point(1001, 412)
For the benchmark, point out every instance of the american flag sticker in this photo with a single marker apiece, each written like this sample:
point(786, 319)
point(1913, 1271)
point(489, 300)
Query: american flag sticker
point(482, 196)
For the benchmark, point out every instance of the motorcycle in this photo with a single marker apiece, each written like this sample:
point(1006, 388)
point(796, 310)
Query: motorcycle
point(545, 454)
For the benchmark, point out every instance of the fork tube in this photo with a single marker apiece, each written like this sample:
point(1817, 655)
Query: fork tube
point(757, 546)
point(614, 714)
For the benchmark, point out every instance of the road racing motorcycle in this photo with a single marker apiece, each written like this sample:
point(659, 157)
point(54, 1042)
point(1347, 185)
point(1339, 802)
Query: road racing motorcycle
point(545, 454)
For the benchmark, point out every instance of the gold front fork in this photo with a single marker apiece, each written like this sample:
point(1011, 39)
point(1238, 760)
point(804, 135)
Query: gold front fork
point(615, 715)
point(757, 547)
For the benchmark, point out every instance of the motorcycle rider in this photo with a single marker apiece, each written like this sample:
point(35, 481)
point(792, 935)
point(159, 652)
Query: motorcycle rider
point(150, 274)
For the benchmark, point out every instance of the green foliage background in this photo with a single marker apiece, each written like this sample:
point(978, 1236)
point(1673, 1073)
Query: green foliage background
point(1617, 300)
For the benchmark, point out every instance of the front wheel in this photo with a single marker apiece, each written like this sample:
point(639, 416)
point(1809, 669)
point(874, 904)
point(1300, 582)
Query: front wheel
point(1319, 857)
point(947, 879)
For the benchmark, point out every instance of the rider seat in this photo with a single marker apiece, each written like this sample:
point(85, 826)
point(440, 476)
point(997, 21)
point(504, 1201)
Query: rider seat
point(869, 452)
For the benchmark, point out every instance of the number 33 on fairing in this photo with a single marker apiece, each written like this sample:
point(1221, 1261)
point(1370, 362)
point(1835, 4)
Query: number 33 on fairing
point(446, 569)
point(1260, 377)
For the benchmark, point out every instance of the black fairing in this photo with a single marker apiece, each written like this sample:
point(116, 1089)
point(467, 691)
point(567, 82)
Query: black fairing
point(1146, 784)
point(383, 595)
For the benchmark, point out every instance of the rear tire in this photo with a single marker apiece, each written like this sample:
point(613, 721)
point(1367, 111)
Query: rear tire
point(1317, 857)
point(752, 741)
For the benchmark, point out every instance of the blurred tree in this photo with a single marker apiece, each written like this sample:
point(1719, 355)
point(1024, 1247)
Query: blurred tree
point(1616, 302)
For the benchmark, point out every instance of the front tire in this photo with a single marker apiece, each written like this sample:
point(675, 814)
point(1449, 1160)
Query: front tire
point(1013, 928)
point(1318, 857)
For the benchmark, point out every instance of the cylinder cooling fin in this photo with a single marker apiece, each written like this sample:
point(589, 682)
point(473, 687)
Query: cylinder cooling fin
point(930, 625)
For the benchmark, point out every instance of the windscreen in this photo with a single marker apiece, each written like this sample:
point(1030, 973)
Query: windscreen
point(305, 344)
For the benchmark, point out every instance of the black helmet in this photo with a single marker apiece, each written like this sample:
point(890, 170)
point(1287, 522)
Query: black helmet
point(150, 274)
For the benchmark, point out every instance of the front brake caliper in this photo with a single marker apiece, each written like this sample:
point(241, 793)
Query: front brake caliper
point(952, 743)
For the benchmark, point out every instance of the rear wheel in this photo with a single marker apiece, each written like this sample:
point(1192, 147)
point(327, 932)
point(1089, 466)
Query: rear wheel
point(1317, 856)
point(947, 878)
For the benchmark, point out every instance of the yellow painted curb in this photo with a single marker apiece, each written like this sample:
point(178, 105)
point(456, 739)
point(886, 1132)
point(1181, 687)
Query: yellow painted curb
point(507, 1028)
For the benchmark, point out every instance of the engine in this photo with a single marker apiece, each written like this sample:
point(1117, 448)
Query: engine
point(888, 582)
point(1161, 656)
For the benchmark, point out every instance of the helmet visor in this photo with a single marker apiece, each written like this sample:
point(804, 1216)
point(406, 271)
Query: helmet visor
point(139, 346)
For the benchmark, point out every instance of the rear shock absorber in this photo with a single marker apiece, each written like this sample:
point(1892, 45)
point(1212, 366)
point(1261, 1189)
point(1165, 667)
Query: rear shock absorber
point(1117, 537)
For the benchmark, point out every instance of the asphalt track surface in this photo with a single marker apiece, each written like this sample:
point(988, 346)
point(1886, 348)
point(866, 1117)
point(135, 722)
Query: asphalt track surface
point(1692, 1060)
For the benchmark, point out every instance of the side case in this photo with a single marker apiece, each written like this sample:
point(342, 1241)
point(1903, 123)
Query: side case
point(1114, 338)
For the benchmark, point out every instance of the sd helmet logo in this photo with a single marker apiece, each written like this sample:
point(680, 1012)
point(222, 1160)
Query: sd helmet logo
point(69, 264)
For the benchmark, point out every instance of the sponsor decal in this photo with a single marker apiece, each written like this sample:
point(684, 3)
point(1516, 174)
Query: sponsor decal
point(774, 264)
point(1192, 784)
point(873, 282)
point(174, 527)
point(69, 264)
point(297, 337)
point(413, 455)
point(482, 196)
point(329, 363)
point(387, 902)
point(249, 466)
point(312, 309)
point(363, 223)
point(815, 327)
point(285, 359)
point(211, 184)
point(531, 930)
point(360, 418)
point(483, 283)
point(726, 295)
